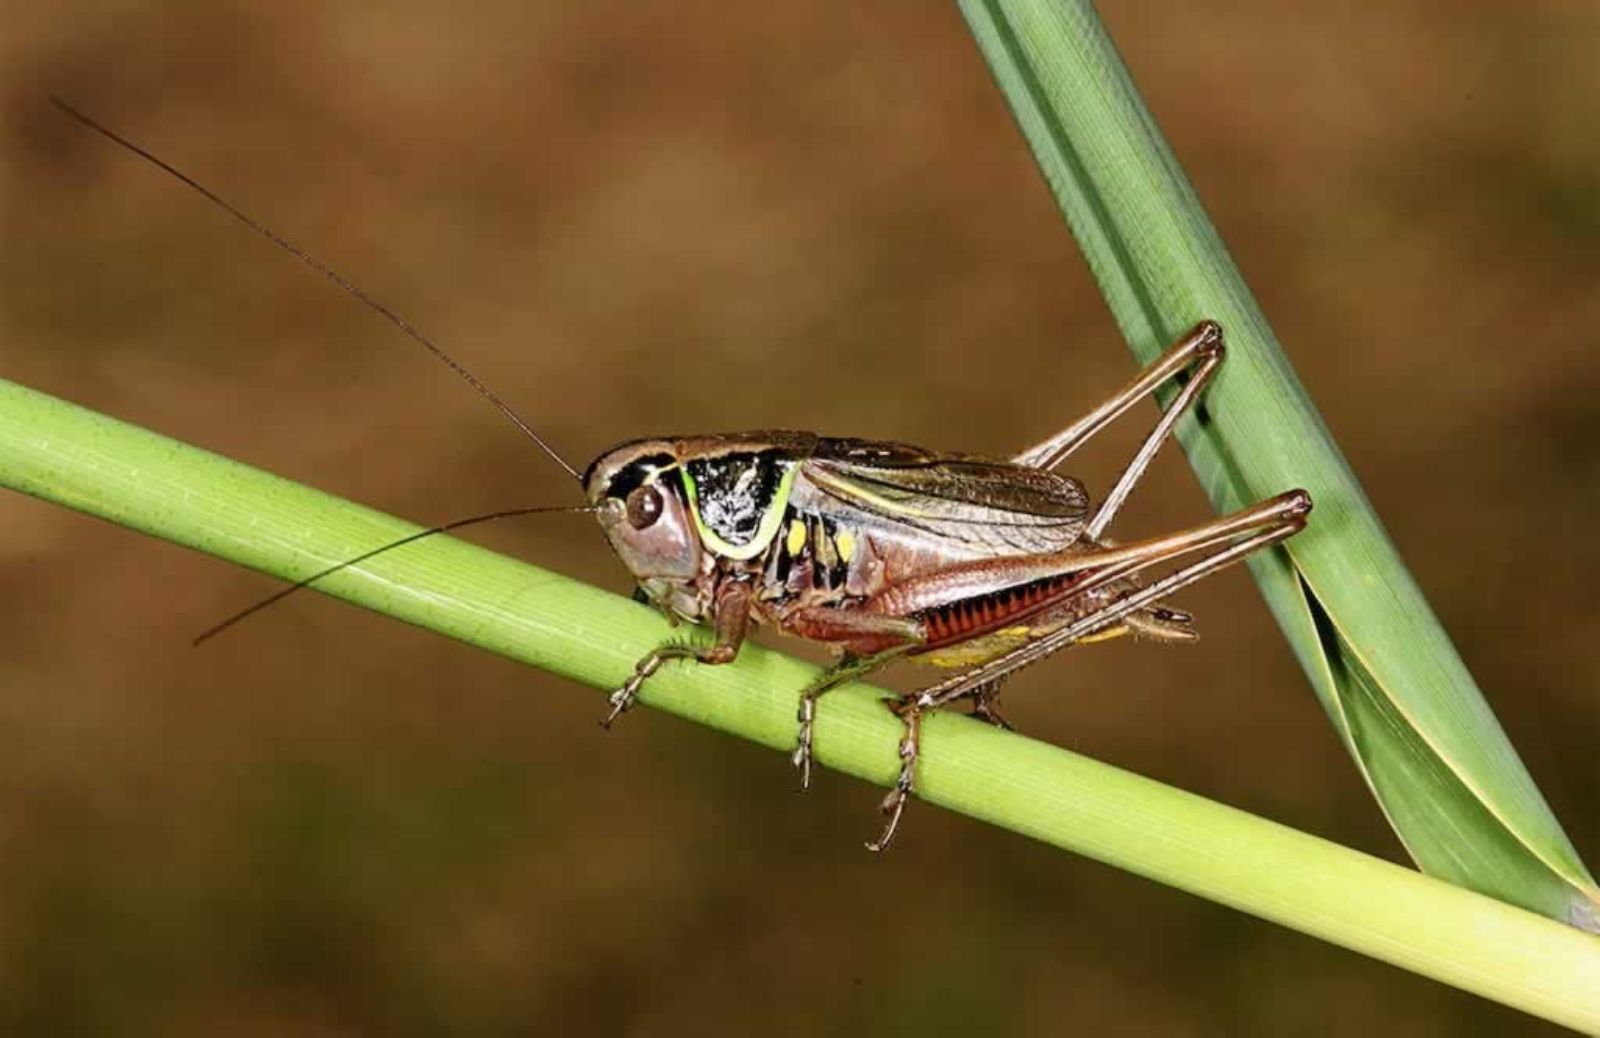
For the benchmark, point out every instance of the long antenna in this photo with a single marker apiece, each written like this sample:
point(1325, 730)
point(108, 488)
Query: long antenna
point(329, 273)
point(275, 598)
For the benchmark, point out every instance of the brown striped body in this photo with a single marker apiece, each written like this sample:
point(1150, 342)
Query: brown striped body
point(968, 618)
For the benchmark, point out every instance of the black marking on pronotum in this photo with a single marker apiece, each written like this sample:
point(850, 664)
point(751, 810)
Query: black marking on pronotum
point(635, 474)
point(736, 491)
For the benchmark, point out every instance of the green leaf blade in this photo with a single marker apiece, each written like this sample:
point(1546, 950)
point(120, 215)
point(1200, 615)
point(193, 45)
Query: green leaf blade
point(1452, 785)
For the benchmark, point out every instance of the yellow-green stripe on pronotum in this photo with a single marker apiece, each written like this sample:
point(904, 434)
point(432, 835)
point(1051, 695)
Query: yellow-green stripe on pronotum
point(764, 532)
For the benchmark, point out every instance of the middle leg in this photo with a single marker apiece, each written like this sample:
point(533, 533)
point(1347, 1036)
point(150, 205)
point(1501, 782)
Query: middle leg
point(848, 669)
point(872, 641)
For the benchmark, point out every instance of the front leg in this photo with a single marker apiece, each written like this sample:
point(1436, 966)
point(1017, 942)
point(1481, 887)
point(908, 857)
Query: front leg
point(730, 619)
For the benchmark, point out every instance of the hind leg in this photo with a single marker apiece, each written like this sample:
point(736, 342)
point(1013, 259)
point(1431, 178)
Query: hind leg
point(986, 705)
point(848, 669)
point(894, 805)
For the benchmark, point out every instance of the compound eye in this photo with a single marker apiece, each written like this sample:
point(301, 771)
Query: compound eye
point(644, 507)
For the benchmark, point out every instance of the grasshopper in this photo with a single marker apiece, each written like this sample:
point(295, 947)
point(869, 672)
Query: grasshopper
point(887, 551)
point(882, 550)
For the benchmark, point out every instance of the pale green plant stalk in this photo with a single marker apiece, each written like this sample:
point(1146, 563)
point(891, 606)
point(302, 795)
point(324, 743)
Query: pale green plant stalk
point(62, 453)
point(1403, 702)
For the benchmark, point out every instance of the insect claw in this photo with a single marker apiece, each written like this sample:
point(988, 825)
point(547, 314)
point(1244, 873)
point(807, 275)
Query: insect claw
point(622, 699)
point(621, 702)
point(894, 805)
point(802, 760)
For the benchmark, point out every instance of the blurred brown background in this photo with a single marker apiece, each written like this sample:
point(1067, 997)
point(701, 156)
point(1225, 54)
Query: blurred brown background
point(639, 217)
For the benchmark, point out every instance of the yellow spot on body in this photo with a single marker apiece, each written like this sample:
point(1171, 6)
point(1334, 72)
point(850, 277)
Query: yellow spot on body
point(797, 536)
point(846, 543)
point(992, 646)
point(979, 650)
